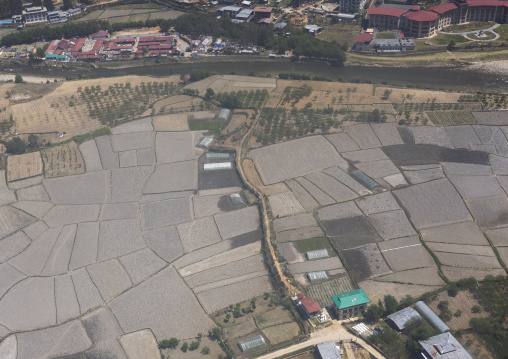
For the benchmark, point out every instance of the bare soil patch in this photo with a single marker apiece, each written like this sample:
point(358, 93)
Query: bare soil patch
point(24, 166)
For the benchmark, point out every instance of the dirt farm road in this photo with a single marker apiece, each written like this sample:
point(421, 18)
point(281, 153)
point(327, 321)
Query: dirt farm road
point(333, 333)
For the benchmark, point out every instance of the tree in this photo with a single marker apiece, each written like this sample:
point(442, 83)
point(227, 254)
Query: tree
point(185, 346)
point(476, 309)
point(16, 6)
point(210, 93)
point(15, 146)
point(171, 343)
point(453, 289)
point(407, 301)
point(194, 345)
point(40, 52)
point(18, 79)
point(451, 45)
point(205, 350)
point(67, 4)
point(391, 304)
point(374, 313)
point(33, 141)
point(49, 5)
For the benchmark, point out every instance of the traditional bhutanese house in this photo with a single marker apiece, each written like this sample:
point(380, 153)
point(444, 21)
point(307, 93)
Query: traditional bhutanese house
point(310, 307)
point(384, 18)
point(350, 304)
point(448, 14)
point(262, 12)
point(420, 23)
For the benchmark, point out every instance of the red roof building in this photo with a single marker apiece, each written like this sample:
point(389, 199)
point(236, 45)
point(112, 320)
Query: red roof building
point(386, 11)
point(78, 45)
point(261, 12)
point(421, 23)
point(443, 8)
point(51, 47)
point(310, 306)
point(98, 44)
point(422, 16)
point(384, 17)
point(364, 37)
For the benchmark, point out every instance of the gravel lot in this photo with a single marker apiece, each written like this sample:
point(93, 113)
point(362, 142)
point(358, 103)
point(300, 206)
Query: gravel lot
point(284, 204)
point(342, 142)
point(363, 135)
point(462, 136)
point(433, 203)
point(151, 303)
point(291, 159)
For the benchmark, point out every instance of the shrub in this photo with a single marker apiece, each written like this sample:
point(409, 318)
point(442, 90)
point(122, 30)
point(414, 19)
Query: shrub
point(205, 350)
point(185, 346)
point(194, 345)
point(476, 309)
point(15, 146)
point(169, 343)
point(18, 79)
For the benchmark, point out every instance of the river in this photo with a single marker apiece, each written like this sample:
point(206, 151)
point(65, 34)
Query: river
point(445, 78)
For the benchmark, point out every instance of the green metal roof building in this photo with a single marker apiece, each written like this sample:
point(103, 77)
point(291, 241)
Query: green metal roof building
point(350, 304)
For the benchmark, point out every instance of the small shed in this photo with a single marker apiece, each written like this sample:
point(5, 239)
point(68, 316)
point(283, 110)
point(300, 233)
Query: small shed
point(252, 343)
point(236, 199)
point(403, 317)
point(317, 276)
point(217, 166)
point(431, 317)
point(205, 142)
point(328, 351)
point(317, 254)
point(313, 29)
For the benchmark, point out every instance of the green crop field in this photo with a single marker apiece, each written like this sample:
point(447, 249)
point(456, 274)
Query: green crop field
point(322, 292)
point(212, 126)
point(447, 118)
point(313, 244)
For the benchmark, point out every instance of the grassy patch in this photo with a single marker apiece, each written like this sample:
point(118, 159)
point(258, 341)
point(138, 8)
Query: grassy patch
point(341, 37)
point(444, 39)
point(139, 17)
point(447, 118)
point(472, 26)
point(502, 30)
point(212, 126)
point(313, 244)
point(97, 133)
point(386, 35)
point(136, 6)
point(114, 20)
point(94, 15)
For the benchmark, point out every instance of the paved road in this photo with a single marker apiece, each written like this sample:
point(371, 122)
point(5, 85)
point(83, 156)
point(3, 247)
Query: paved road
point(333, 333)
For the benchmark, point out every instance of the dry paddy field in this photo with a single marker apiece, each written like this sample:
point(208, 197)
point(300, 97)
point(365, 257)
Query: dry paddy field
point(118, 248)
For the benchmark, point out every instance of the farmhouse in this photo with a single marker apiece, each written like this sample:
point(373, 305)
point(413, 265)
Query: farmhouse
point(263, 12)
point(424, 23)
point(308, 306)
point(350, 304)
point(443, 346)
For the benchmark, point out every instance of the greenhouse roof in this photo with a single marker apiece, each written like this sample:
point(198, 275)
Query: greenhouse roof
point(317, 254)
point(206, 142)
point(364, 179)
point(217, 155)
point(315, 276)
point(252, 343)
point(217, 166)
point(236, 199)
point(350, 299)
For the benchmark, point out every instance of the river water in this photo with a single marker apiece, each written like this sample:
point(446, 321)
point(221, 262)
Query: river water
point(446, 78)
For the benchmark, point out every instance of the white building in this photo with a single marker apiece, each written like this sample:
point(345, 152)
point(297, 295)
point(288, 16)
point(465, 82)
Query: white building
point(351, 6)
point(35, 14)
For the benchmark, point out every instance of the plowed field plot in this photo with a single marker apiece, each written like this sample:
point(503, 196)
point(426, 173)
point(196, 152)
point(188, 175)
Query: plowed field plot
point(366, 262)
point(423, 276)
point(62, 160)
point(351, 232)
point(281, 333)
point(291, 159)
point(277, 316)
point(462, 136)
point(433, 203)
point(463, 301)
point(450, 118)
point(489, 212)
point(322, 292)
point(24, 166)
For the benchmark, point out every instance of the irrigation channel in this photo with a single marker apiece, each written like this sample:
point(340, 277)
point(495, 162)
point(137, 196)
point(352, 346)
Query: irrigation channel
point(447, 78)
